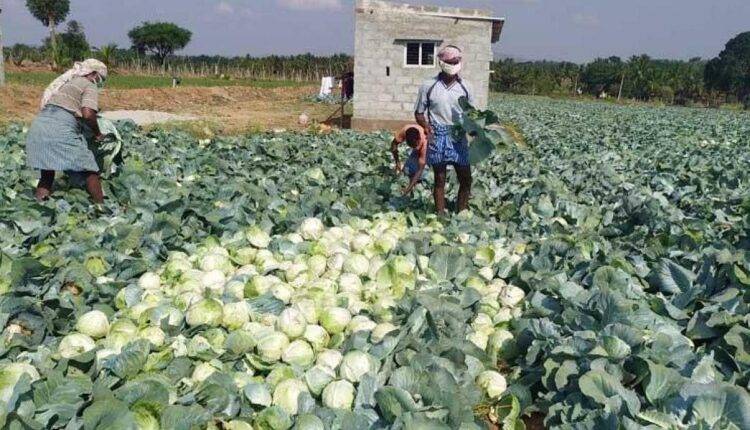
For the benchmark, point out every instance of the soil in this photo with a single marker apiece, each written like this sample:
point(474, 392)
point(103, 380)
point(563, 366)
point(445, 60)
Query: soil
point(219, 109)
point(146, 117)
point(534, 422)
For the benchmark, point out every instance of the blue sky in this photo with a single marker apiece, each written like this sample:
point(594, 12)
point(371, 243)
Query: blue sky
point(576, 30)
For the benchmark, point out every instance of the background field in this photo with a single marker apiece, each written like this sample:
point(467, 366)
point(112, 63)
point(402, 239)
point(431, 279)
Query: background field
point(115, 81)
point(631, 224)
point(222, 105)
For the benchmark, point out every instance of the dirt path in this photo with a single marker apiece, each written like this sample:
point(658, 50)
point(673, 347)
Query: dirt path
point(219, 109)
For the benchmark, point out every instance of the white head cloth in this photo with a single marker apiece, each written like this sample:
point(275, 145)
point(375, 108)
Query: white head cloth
point(450, 52)
point(82, 68)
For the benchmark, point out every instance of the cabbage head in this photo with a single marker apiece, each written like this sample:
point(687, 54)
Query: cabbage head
point(309, 422)
point(298, 353)
point(339, 395)
point(75, 344)
point(10, 374)
point(311, 229)
point(272, 346)
point(511, 296)
point(205, 312)
point(257, 237)
point(292, 323)
point(335, 319)
point(329, 358)
point(286, 395)
point(235, 315)
point(381, 330)
point(149, 281)
point(317, 336)
point(492, 383)
point(94, 324)
point(356, 264)
point(202, 372)
point(318, 377)
point(154, 335)
point(356, 364)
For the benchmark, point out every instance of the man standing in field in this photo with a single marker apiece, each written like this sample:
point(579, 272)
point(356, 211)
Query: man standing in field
point(438, 112)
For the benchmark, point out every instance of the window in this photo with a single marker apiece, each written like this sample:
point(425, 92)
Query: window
point(420, 54)
point(428, 54)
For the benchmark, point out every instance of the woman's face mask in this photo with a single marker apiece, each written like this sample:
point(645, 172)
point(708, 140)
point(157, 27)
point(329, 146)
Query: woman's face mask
point(99, 81)
point(450, 69)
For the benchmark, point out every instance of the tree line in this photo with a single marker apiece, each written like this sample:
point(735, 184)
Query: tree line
point(300, 68)
point(152, 51)
point(724, 79)
point(639, 78)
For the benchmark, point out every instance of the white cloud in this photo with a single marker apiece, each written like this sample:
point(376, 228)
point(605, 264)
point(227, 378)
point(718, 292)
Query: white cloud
point(225, 8)
point(310, 4)
point(586, 20)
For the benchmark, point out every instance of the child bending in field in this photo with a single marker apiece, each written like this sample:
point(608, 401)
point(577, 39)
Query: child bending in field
point(415, 138)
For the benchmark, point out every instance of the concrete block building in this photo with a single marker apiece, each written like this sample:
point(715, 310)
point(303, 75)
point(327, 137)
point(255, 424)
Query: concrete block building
point(395, 51)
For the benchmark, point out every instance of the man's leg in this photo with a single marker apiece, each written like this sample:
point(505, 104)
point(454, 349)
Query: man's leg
point(94, 187)
point(439, 191)
point(464, 186)
point(44, 187)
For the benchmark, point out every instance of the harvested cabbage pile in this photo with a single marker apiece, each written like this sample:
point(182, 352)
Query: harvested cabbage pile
point(627, 231)
point(342, 327)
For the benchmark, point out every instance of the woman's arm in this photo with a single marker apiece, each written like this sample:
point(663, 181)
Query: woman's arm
point(89, 118)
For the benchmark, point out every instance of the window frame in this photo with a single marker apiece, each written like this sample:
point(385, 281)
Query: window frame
point(421, 43)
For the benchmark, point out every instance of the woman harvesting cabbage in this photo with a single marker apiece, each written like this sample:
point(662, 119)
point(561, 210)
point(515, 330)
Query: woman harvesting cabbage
point(56, 139)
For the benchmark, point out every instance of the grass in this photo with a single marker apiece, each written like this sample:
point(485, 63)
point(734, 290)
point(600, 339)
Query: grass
point(125, 82)
point(623, 102)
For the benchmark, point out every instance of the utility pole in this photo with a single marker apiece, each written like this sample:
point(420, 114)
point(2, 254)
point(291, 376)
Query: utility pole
point(622, 83)
point(2, 57)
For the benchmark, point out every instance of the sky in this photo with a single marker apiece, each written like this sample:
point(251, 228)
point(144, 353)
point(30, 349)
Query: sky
point(574, 30)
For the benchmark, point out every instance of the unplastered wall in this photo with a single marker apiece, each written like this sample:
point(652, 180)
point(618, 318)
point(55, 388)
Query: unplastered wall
point(382, 30)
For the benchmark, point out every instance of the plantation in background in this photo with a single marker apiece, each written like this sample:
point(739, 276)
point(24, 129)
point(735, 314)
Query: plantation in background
point(298, 68)
point(42, 79)
point(280, 280)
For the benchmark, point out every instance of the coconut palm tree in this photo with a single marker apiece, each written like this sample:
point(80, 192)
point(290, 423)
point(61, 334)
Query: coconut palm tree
point(107, 54)
point(50, 13)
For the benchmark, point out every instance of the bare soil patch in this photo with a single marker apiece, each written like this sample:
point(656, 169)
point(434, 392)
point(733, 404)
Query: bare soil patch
point(146, 117)
point(221, 109)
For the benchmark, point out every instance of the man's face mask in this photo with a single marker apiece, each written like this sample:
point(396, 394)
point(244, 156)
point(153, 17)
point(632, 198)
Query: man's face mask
point(450, 69)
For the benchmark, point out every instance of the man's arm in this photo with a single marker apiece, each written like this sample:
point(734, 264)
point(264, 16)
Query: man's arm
point(422, 121)
point(420, 110)
point(470, 90)
point(421, 163)
point(394, 152)
point(89, 118)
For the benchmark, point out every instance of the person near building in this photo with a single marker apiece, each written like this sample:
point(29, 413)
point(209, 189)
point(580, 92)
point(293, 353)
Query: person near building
point(438, 111)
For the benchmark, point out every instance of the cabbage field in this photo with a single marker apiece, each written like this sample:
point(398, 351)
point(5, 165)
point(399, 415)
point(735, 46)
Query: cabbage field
point(279, 281)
